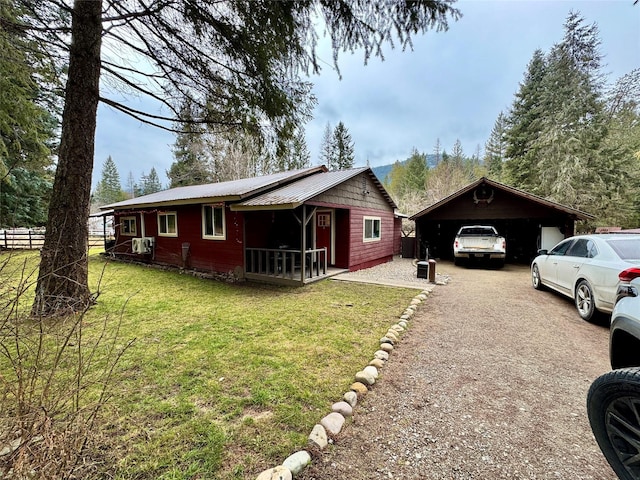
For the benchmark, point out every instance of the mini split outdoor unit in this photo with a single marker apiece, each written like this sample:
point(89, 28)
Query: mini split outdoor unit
point(142, 245)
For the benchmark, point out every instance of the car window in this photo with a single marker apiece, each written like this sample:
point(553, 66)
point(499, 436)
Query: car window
point(592, 249)
point(561, 248)
point(626, 248)
point(476, 231)
point(578, 249)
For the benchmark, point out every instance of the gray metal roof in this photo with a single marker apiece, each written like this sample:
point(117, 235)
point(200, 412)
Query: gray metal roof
point(223, 191)
point(296, 193)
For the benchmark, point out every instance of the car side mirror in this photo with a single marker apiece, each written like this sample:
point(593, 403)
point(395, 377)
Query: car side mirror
point(543, 251)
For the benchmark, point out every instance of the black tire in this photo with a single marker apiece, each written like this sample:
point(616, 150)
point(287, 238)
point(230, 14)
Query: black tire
point(613, 404)
point(457, 261)
point(585, 301)
point(536, 281)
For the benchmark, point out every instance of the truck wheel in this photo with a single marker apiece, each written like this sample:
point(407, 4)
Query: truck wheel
point(613, 404)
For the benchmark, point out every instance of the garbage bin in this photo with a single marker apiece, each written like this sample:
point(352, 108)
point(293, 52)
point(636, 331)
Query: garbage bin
point(423, 269)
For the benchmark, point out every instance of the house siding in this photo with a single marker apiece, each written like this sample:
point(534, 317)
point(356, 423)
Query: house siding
point(222, 256)
point(367, 254)
point(352, 193)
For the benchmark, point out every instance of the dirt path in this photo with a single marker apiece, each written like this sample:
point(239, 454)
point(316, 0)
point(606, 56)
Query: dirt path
point(490, 383)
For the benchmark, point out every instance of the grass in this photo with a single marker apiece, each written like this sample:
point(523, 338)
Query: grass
point(225, 380)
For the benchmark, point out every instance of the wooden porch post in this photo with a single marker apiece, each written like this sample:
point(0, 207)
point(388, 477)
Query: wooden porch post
point(303, 244)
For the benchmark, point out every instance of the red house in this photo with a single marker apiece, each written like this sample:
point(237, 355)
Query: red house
point(289, 227)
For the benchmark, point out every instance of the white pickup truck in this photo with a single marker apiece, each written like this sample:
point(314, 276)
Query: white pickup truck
point(479, 242)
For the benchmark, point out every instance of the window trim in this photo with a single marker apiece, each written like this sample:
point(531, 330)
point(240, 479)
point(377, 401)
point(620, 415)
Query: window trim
point(364, 229)
point(204, 222)
point(167, 214)
point(133, 221)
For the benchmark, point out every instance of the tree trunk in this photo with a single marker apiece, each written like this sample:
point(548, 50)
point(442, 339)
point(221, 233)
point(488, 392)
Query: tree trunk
point(63, 277)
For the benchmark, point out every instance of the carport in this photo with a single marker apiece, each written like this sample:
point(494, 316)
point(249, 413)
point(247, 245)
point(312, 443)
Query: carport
point(528, 222)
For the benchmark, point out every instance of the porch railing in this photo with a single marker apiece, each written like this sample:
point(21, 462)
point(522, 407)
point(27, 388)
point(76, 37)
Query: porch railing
point(285, 263)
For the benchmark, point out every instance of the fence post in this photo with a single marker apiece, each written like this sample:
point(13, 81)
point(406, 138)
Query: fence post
point(30, 243)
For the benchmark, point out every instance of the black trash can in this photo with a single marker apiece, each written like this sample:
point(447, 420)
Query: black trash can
point(423, 269)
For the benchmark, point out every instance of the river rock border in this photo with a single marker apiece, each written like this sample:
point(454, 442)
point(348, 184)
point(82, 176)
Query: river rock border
point(331, 425)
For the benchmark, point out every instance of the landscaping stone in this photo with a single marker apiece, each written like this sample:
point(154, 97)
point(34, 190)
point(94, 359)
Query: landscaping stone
point(382, 355)
point(397, 328)
point(372, 370)
point(393, 336)
point(403, 324)
point(386, 347)
point(365, 377)
point(359, 388)
point(333, 423)
point(318, 437)
point(386, 339)
point(415, 301)
point(343, 408)
point(376, 362)
point(297, 462)
point(351, 398)
point(276, 473)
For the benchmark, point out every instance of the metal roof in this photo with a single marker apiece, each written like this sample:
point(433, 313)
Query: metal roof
point(296, 193)
point(222, 191)
point(520, 193)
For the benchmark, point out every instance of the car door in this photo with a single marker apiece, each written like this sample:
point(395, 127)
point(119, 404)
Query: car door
point(570, 264)
point(548, 265)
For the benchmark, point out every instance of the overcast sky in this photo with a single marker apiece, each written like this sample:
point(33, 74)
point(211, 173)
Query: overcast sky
point(452, 85)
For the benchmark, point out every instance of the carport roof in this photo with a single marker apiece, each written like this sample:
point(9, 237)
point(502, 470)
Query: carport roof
point(578, 214)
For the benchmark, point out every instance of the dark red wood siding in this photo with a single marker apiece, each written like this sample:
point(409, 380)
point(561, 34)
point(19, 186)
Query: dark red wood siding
point(367, 254)
point(222, 256)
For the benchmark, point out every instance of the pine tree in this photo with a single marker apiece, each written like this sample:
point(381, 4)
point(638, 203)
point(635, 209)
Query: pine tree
point(344, 149)
point(148, 183)
point(109, 189)
point(192, 165)
point(296, 154)
point(523, 128)
point(495, 148)
point(328, 150)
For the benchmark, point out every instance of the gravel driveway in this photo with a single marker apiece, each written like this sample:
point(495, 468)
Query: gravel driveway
point(490, 382)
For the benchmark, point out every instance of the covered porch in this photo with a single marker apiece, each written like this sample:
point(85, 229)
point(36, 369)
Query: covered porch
point(293, 246)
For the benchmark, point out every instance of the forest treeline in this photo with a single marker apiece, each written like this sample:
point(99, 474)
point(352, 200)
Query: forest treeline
point(571, 135)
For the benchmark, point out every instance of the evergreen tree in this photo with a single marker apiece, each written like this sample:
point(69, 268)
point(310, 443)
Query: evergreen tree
point(149, 183)
point(344, 149)
point(192, 165)
point(109, 189)
point(28, 122)
point(296, 154)
point(495, 148)
point(328, 149)
point(416, 172)
point(523, 128)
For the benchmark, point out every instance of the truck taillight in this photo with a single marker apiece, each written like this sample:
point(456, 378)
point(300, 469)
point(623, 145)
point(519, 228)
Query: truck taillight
point(629, 274)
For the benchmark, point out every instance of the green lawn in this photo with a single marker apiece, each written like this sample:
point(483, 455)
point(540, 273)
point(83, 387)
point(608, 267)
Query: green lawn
point(225, 380)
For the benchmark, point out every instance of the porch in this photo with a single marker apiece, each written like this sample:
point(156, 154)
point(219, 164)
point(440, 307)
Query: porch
point(288, 266)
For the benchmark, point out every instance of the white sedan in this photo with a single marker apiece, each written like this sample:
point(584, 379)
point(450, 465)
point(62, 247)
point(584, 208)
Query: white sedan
point(588, 269)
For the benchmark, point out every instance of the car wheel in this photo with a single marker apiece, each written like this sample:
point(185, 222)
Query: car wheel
point(613, 404)
point(457, 261)
point(584, 300)
point(535, 278)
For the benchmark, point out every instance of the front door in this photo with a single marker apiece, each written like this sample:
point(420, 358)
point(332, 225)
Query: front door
point(324, 229)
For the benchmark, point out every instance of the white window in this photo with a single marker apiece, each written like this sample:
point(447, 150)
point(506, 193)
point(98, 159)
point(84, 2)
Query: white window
point(168, 224)
point(213, 222)
point(128, 226)
point(371, 229)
